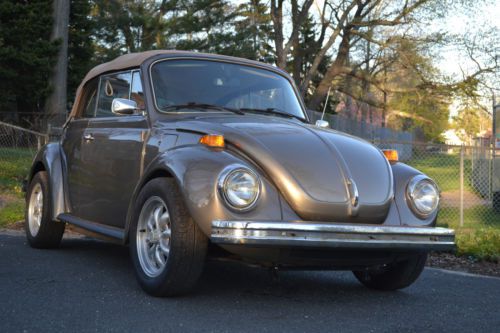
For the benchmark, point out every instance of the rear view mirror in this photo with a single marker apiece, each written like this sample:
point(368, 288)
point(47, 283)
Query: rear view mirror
point(322, 123)
point(123, 106)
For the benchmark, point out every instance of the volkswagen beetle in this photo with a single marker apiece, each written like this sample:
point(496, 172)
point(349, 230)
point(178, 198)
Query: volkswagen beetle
point(185, 155)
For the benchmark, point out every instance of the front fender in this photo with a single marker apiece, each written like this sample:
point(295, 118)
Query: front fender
point(402, 175)
point(49, 159)
point(196, 169)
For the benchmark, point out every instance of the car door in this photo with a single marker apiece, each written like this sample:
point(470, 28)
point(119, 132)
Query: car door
point(72, 145)
point(112, 151)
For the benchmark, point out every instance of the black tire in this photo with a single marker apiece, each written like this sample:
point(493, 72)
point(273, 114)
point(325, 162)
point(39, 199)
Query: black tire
point(395, 276)
point(188, 245)
point(49, 233)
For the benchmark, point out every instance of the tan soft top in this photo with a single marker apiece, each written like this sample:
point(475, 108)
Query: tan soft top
point(132, 60)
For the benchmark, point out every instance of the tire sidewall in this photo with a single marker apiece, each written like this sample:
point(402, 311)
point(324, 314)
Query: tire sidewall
point(42, 179)
point(155, 187)
point(397, 275)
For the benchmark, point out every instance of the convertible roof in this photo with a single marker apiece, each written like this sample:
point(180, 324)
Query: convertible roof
point(132, 60)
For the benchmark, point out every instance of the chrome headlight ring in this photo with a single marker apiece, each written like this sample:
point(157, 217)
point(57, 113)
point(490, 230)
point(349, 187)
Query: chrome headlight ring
point(422, 196)
point(240, 187)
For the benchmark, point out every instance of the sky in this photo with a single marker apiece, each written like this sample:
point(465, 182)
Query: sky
point(487, 14)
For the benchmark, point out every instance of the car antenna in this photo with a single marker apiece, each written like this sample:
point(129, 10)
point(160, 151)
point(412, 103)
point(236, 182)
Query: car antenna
point(326, 102)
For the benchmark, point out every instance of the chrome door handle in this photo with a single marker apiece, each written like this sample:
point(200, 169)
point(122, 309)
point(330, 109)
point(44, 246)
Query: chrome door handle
point(88, 137)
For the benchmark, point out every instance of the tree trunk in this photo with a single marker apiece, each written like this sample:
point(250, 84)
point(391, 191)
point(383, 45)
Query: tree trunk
point(55, 105)
point(296, 52)
point(333, 71)
point(277, 17)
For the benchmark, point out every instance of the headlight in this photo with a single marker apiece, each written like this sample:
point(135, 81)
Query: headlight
point(240, 187)
point(423, 196)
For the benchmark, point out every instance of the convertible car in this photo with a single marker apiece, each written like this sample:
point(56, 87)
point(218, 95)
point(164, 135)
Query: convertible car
point(185, 155)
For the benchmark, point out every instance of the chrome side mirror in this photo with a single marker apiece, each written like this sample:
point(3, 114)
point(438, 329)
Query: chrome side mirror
point(123, 106)
point(322, 124)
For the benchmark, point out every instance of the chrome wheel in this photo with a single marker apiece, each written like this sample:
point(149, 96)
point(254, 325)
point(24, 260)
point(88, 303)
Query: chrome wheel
point(35, 209)
point(153, 236)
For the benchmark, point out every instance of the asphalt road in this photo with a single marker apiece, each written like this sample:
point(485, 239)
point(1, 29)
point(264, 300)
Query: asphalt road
point(88, 285)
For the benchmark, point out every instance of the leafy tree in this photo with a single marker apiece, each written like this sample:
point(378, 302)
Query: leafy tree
point(26, 57)
point(130, 26)
point(253, 31)
point(205, 26)
point(411, 101)
point(80, 44)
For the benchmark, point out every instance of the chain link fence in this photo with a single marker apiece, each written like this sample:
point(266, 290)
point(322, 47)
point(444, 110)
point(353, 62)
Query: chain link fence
point(468, 177)
point(18, 146)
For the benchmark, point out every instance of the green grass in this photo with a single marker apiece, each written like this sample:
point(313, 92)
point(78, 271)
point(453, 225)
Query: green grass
point(12, 212)
point(14, 167)
point(443, 168)
point(480, 235)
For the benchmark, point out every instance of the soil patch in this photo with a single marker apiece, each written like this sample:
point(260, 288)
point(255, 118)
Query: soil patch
point(452, 199)
point(463, 264)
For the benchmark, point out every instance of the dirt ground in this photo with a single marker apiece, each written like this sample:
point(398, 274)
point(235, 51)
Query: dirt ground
point(452, 199)
point(463, 264)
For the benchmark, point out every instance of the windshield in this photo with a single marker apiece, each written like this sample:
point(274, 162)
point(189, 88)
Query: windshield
point(184, 82)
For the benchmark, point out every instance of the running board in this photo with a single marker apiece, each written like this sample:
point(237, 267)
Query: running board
point(101, 229)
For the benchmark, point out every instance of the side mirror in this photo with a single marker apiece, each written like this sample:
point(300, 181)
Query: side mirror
point(322, 124)
point(123, 106)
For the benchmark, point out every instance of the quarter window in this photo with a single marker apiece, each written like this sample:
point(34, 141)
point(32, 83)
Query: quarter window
point(89, 99)
point(111, 87)
point(136, 93)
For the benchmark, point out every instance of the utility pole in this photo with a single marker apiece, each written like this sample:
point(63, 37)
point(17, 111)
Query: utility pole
point(55, 106)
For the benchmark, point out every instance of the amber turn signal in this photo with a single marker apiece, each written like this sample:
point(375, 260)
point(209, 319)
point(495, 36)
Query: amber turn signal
point(212, 140)
point(391, 155)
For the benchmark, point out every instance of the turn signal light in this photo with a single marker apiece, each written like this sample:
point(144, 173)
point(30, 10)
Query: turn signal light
point(391, 155)
point(213, 140)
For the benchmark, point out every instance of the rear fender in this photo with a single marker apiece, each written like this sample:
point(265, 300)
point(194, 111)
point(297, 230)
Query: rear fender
point(49, 159)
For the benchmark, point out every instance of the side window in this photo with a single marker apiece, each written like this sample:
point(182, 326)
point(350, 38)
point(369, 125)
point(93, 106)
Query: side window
point(89, 100)
point(112, 86)
point(136, 93)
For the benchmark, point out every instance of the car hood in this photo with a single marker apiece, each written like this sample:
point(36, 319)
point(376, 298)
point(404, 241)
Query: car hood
point(324, 175)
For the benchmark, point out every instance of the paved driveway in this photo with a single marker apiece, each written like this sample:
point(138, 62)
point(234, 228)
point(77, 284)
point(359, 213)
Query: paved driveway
point(89, 286)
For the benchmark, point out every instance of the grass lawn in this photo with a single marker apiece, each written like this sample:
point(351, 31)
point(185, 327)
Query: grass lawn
point(480, 235)
point(444, 169)
point(14, 167)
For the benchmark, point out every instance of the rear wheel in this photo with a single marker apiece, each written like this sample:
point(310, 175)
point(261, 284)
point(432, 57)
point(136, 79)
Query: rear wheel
point(394, 276)
point(167, 248)
point(41, 230)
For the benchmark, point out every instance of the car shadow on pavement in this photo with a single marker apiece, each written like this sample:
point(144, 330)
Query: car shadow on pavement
point(229, 279)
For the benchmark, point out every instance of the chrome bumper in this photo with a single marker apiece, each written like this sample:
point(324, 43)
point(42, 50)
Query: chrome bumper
point(331, 235)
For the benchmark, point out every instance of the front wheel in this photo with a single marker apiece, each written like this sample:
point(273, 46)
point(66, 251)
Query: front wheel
point(41, 230)
point(167, 248)
point(394, 276)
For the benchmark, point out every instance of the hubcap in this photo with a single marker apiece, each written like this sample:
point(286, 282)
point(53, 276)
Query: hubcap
point(35, 209)
point(153, 236)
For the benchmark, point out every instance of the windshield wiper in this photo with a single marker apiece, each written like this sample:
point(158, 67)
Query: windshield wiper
point(274, 111)
point(201, 106)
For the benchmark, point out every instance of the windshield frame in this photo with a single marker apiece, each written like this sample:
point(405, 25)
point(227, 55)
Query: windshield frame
point(229, 61)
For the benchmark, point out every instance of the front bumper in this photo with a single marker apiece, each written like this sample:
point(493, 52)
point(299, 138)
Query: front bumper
point(316, 234)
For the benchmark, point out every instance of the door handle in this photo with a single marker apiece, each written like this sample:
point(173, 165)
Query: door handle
point(88, 137)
